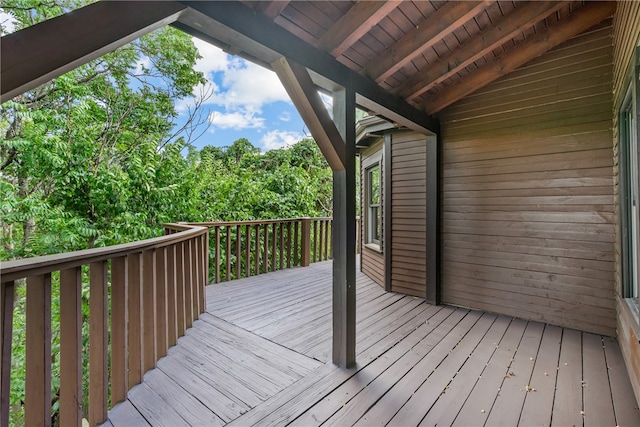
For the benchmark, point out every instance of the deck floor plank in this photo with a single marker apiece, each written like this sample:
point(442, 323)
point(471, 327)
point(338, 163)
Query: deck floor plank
point(508, 405)
point(189, 408)
point(596, 391)
point(624, 404)
point(463, 381)
point(475, 409)
point(567, 405)
point(406, 377)
point(538, 403)
point(260, 355)
point(400, 358)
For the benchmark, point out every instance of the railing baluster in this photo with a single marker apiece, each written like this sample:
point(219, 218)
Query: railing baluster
point(119, 304)
point(188, 283)
point(161, 301)
point(238, 251)
point(71, 347)
point(321, 253)
point(265, 269)
point(289, 244)
point(274, 241)
point(306, 242)
point(180, 288)
point(315, 240)
point(247, 250)
point(296, 246)
point(228, 252)
point(7, 299)
point(172, 316)
point(134, 325)
point(330, 239)
point(257, 251)
point(217, 261)
point(98, 342)
point(149, 309)
point(195, 280)
point(281, 231)
point(37, 405)
point(204, 265)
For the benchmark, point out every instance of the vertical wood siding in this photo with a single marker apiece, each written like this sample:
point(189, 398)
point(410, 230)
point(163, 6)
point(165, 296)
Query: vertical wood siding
point(528, 206)
point(371, 262)
point(409, 215)
point(626, 36)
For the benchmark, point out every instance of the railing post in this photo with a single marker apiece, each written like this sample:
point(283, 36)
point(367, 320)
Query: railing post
point(134, 324)
point(98, 342)
point(119, 320)
point(37, 402)
point(161, 301)
point(71, 347)
point(149, 309)
point(306, 243)
point(7, 296)
point(172, 280)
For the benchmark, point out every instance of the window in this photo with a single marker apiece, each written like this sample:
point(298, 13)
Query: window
point(373, 219)
point(629, 195)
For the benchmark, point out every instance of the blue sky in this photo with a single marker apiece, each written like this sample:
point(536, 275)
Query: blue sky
point(244, 100)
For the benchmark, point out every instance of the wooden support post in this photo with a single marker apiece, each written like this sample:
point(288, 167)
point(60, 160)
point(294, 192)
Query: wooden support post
point(98, 343)
point(305, 244)
point(119, 320)
point(71, 347)
point(7, 296)
point(344, 235)
point(433, 222)
point(37, 402)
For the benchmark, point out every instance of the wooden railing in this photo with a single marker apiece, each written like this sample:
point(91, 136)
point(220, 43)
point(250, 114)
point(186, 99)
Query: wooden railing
point(143, 296)
point(248, 248)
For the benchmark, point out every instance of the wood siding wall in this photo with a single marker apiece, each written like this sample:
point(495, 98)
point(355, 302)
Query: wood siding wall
point(626, 36)
point(409, 215)
point(371, 261)
point(528, 210)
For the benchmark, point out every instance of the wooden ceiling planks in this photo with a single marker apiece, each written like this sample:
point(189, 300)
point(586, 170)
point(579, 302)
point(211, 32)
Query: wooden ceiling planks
point(428, 52)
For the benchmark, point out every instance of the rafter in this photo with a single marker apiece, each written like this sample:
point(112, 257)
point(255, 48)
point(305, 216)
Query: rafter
point(437, 26)
point(476, 47)
point(33, 56)
point(304, 95)
point(273, 8)
point(358, 21)
point(588, 16)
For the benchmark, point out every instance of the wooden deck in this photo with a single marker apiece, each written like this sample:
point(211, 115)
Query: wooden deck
point(260, 356)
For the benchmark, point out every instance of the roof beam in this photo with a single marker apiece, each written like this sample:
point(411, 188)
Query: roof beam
point(304, 94)
point(273, 8)
point(358, 21)
point(37, 54)
point(437, 26)
point(476, 47)
point(589, 15)
point(234, 24)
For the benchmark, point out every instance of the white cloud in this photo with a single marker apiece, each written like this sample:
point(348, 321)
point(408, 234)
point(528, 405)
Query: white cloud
point(236, 120)
point(8, 22)
point(285, 116)
point(275, 139)
point(240, 88)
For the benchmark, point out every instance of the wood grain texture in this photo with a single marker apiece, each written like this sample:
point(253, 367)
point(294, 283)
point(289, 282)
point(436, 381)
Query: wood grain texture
point(261, 356)
point(528, 226)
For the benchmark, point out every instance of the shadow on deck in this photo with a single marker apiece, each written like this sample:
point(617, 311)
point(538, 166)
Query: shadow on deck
point(261, 355)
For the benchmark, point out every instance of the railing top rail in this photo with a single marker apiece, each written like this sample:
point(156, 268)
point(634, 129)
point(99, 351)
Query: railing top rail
point(253, 222)
point(17, 269)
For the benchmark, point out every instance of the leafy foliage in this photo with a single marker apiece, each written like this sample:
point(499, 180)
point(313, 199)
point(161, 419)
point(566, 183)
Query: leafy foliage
point(90, 159)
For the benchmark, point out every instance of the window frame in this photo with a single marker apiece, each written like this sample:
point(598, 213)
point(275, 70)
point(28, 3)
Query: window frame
point(629, 191)
point(371, 163)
